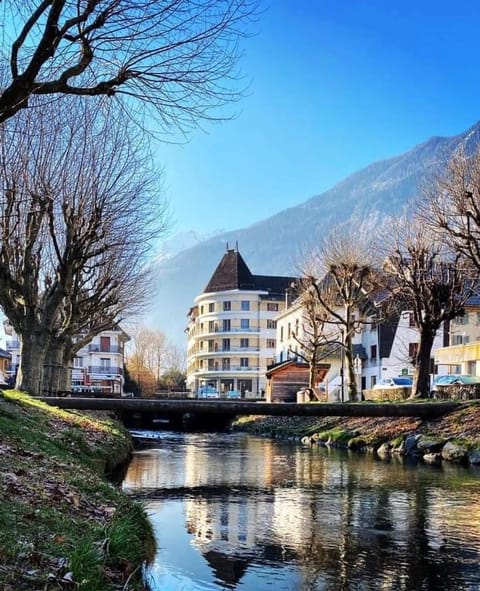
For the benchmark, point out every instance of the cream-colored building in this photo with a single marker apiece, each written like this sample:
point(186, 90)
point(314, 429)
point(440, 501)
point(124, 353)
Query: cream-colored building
point(462, 355)
point(232, 330)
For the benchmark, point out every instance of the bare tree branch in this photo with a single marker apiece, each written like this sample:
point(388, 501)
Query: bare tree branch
point(178, 58)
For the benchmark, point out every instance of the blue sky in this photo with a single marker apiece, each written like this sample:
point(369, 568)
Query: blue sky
point(335, 85)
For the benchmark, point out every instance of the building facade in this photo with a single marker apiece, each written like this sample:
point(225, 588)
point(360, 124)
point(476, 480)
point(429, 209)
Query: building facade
point(461, 353)
point(381, 350)
point(232, 330)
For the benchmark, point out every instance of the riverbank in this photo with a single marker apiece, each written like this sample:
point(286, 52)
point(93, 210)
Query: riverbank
point(452, 437)
point(62, 524)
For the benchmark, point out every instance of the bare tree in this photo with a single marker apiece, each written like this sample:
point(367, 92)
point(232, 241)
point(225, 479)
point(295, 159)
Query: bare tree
point(149, 348)
point(313, 334)
point(77, 218)
point(452, 206)
point(427, 278)
point(175, 358)
point(342, 273)
point(177, 57)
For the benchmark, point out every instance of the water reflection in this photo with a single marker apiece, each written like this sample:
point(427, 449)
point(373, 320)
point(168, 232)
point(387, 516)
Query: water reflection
point(236, 512)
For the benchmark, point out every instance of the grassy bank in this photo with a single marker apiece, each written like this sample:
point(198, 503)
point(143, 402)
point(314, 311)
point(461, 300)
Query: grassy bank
point(62, 525)
point(461, 427)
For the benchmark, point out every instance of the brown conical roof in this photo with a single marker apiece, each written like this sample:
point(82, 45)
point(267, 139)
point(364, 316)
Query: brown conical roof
point(231, 273)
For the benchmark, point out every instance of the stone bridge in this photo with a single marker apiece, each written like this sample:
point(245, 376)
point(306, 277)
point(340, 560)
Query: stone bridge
point(220, 412)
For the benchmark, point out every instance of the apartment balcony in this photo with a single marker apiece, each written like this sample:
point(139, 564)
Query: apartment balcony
point(227, 352)
point(13, 345)
point(96, 348)
point(234, 369)
point(236, 330)
point(458, 354)
point(104, 371)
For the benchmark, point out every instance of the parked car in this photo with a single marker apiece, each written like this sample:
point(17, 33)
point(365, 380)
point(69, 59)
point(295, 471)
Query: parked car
point(452, 379)
point(208, 392)
point(402, 382)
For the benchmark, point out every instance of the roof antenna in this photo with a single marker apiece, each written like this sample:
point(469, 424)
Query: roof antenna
point(227, 246)
point(236, 245)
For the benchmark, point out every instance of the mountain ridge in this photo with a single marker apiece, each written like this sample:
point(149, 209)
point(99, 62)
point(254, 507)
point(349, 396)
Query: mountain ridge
point(272, 246)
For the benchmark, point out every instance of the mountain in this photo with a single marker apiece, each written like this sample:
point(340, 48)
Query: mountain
point(272, 246)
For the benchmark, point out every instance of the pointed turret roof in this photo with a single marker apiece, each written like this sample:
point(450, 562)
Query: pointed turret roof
point(231, 273)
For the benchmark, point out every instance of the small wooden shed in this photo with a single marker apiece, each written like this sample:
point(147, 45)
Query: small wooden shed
point(286, 378)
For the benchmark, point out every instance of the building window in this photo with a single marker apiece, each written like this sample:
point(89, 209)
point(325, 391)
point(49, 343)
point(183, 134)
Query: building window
point(270, 343)
point(211, 307)
point(271, 324)
point(461, 319)
point(226, 345)
point(226, 364)
point(211, 364)
point(244, 323)
point(211, 326)
point(373, 381)
point(460, 339)
point(201, 309)
point(227, 306)
point(244, 343)
point(272, 307)
point(243, 361)
point(289, 331)
point(281, 334)
point(411, 320)
point(245, 305)
point(373, 352)
point(78, 362)
point(227, 326)
point(210, 346)
point(105, 363)
point(412, 350)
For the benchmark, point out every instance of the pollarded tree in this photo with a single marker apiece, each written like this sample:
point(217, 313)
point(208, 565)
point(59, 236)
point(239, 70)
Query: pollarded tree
point(177, 57)
point(76, 221)
point(343, 274)
point(426, 277)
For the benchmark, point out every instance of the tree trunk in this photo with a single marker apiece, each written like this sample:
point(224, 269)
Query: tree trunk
point(311, 373)
point(421, 376)
point(351, 381)
point(32, 358)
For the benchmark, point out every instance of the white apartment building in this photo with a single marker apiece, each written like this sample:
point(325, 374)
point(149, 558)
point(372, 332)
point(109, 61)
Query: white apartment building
point(232, 330)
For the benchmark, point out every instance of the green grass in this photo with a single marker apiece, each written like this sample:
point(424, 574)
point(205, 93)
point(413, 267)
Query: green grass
point(59, 517)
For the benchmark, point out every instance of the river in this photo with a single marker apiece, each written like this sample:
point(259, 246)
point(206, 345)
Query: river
point(232, 511)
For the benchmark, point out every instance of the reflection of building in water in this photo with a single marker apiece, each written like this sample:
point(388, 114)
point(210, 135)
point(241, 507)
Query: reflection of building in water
point(147, 470)
point(341, 523)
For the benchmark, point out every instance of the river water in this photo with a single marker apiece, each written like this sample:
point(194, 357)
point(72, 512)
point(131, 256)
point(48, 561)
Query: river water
point(231, 511)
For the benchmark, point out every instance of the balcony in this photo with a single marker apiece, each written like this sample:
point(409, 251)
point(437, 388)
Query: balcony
point(235, 369)
point(235, 330)
point(104, 371)
point(457, 354)
point(96, 348)
point(227, 352)
point(12, 345)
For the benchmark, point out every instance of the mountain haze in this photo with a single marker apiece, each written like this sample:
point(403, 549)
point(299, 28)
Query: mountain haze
point(272, 246)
